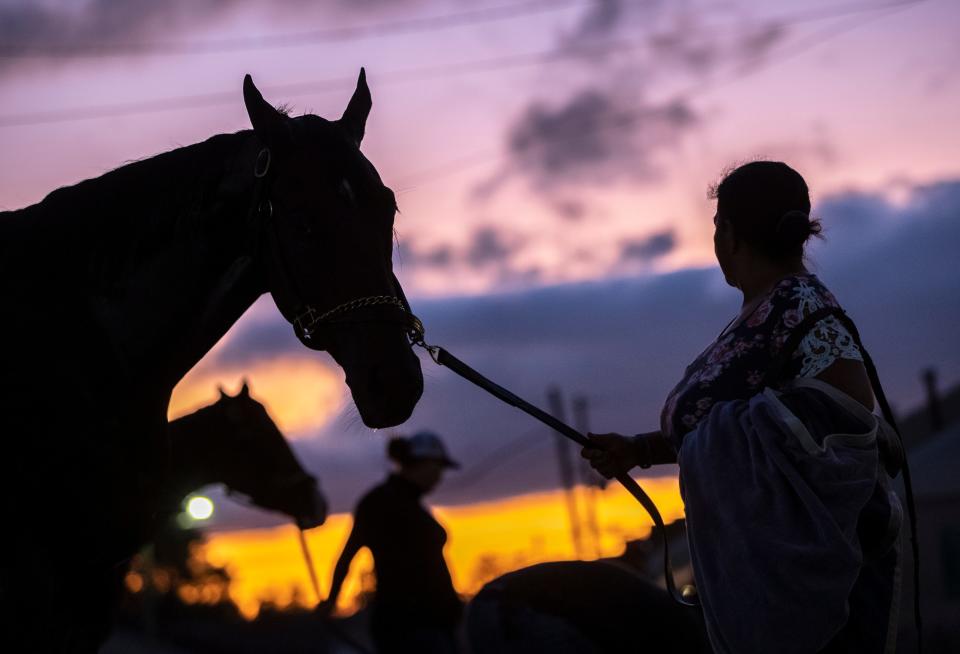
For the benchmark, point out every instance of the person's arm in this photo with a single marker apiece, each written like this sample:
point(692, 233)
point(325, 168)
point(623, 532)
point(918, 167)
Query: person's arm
point(615, 453)
point(851, 377)
point(340, 570)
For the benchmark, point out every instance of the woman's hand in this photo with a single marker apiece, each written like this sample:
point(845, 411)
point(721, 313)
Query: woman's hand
point(613, 454)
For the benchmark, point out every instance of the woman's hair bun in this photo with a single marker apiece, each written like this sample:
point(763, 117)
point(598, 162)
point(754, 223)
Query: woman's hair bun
point(794, 228)
point(398, 449)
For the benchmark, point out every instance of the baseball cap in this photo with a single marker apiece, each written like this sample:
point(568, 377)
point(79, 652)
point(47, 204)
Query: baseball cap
point(427, 445)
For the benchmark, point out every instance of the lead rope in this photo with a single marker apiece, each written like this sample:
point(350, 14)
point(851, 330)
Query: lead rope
point(308, 560)
point(442, 357)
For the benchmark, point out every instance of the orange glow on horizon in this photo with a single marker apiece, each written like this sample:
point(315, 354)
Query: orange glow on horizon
point(486, 540)
point(299, 392)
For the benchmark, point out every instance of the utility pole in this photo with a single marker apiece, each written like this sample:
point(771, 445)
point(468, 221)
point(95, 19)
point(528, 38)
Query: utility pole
point(555, 402)
point(591, 481)
point(934, 407)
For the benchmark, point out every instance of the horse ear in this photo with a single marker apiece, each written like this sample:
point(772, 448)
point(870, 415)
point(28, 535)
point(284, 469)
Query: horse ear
point(268, 123)
point(245, 390)
point(354, 119)
point(223, 393)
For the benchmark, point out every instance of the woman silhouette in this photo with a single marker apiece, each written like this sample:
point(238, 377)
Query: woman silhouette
point(784, 469)
point(415, 608)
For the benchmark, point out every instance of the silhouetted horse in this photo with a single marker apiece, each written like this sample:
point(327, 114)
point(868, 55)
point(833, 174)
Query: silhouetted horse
point(233, 442)
point(115, 287)
point(580, 607)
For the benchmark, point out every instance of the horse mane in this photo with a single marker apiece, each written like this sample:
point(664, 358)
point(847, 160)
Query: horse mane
point(127, 215)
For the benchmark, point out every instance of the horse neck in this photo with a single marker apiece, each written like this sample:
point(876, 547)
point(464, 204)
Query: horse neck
point(198, 443)
point(158, 253)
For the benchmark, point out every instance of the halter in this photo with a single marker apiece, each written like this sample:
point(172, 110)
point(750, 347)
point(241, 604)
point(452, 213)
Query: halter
point(308, 319)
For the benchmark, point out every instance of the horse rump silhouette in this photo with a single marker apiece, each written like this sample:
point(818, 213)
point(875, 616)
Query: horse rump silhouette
point(580, 607)
point(115, 287)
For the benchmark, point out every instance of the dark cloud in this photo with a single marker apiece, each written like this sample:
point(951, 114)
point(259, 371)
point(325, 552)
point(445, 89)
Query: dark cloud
point(649, 248)
point(678, 36)
point(32, 32)
point(623, 343)
point(441, 256)
point(572, 210)
point(596, 136)
point(599, 21)
point(31, 26)
point(757, 42)
point(488, 246)
point(609, 131)
point(691, 45)
point(682, 48)
point(606, 19)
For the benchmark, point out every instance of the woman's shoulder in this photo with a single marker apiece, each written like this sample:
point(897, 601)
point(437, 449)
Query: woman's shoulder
point(788, 303)
point(375, 498)
point(805, 284)
point(803, 293)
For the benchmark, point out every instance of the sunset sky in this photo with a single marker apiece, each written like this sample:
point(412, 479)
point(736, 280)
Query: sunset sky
point(551, 162)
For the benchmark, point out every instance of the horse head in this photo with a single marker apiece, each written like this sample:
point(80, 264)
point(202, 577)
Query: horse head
point(328, 227)
point(247, 452)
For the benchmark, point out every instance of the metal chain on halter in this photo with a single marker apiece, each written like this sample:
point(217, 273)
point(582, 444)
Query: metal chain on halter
point(308, 319)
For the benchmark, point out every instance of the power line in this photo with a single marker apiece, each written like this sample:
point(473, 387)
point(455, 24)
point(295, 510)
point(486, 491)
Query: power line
point(418, 74)
point(497, 458)
point(294, 39)
point(424, 73)
point(437, 172)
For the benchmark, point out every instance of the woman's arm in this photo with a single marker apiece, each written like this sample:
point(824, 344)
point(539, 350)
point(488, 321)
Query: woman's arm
point(615, 453)
point(350, 549)
point(850, 377)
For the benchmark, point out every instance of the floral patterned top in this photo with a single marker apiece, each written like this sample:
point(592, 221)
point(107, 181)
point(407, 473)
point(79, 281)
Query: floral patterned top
point(733, 366)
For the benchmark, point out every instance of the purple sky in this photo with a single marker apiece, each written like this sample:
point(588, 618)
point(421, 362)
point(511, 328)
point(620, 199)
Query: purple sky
point(551, 162)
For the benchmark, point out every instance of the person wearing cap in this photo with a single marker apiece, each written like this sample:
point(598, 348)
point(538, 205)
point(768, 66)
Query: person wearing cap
point(416, 608)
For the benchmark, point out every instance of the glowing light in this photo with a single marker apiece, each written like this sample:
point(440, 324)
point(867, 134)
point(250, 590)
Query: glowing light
point(200, 507)
point(133, 582)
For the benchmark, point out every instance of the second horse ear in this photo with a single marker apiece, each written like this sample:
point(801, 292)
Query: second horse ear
point(354, 119)
point(268, 123)
point(245, 389)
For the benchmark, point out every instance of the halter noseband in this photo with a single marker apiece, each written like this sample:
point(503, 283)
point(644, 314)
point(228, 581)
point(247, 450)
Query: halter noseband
point(308, 321)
